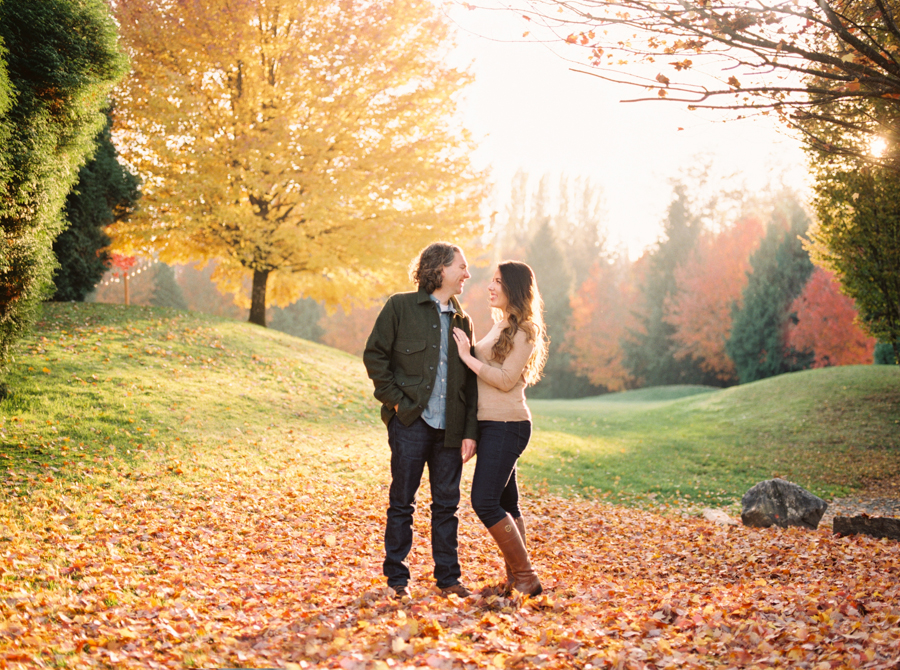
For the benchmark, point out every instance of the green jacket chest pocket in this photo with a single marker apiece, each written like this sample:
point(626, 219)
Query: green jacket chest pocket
point(408, 360)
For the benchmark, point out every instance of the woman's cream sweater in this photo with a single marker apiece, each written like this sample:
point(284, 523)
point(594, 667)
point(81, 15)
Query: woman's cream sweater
point(501, 387)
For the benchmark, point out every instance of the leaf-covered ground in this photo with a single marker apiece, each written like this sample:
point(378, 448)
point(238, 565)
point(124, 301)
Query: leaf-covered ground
point(185, 492)
point(275, 573)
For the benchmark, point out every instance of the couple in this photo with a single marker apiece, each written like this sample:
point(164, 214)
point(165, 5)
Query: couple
point(443, 399)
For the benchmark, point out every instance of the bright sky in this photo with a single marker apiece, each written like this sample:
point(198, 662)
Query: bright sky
point(531, 112)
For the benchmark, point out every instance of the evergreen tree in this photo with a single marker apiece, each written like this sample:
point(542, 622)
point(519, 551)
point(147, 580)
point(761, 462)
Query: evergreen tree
point(61, 61)
point(166, 291)
point(884, 353)
point(554, 276)
point(779, 271)
point(300, 319)
point(105, 191)
point(650, 348)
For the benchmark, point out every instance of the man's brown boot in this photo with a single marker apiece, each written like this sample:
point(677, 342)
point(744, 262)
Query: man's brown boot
point(512, 546)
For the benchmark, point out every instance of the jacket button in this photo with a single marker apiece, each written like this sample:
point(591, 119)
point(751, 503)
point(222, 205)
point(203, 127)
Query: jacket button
point(434, 346)
point(427, 387)
point(431, 368)
point(434, 326)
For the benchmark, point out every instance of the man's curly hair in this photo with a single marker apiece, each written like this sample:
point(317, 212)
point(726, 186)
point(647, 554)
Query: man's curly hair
point(427, 269)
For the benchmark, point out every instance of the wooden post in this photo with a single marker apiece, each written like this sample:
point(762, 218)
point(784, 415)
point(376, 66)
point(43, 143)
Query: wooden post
point(126, 287)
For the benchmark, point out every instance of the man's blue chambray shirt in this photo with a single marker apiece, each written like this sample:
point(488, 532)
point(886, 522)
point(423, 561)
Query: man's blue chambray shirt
point(435, 412)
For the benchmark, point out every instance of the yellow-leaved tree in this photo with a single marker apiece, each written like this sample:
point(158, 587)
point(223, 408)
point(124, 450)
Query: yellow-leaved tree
point(312, 145)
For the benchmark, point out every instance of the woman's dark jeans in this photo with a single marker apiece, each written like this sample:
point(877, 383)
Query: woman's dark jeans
point(412, 447)
point(494, 488)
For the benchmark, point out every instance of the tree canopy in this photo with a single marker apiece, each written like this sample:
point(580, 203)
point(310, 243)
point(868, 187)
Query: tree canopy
point(307, 144)
point(857, 236)
point(61, 60)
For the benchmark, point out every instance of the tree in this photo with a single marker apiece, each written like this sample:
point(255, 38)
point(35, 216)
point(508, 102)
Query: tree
point(300, 319)
point(601, 315)
point(308, 145)
point(166, 291)
point(857, 237)
point(554, 276)
point(61, 61)
point(780, 268)
point(649, 345)
point(105, 191)
point(804, 61)
point(707, 285)
point(579, 220)
point(348, 329)
point(826, 324)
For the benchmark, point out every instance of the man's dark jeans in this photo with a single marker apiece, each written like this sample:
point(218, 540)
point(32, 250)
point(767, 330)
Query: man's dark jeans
point(412, 448)
point(494, 488)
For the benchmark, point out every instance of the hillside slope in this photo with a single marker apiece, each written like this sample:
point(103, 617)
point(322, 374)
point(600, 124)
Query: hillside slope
point(831, 430)
point(105, 387)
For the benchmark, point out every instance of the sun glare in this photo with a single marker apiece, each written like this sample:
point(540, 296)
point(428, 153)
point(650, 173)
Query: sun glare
point(877, 147)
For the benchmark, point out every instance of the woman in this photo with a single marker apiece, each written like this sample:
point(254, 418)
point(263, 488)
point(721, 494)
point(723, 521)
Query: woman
point(508, 359)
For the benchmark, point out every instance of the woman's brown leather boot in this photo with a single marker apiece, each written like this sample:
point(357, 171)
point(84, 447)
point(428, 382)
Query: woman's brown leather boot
point(520, 524)
point(512, 546)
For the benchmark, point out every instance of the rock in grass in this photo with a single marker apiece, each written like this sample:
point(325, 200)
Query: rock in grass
point(876, 526)
point(776, 502)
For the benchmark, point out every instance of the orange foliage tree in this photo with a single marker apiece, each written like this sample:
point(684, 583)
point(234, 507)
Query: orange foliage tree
point(601, 315)
point(826, 324)
point(708, 284)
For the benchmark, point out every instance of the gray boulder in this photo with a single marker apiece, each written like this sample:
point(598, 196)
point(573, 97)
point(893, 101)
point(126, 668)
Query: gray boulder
point(777, 502)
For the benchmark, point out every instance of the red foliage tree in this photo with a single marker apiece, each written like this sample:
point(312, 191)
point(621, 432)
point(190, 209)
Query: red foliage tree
point(600, 318)
point(826, 324)
point(709, 283)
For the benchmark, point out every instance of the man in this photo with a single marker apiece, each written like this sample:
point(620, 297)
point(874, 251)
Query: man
point(429, 405)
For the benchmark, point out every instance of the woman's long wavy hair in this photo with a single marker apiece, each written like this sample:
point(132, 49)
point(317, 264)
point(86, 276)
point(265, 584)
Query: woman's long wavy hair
point(427, 269)
point(525, 310)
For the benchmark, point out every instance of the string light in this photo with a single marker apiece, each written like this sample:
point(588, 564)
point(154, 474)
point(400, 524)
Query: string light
point(118, 276)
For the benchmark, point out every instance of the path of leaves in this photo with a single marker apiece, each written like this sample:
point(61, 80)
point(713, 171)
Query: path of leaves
point(280, 575)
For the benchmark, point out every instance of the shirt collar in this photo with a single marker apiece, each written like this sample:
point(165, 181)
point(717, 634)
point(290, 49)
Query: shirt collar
point(449, 309)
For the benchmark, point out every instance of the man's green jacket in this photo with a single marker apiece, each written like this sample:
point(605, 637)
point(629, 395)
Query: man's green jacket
point(401, 358)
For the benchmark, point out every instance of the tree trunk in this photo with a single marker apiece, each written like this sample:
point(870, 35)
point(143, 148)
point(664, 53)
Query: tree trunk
point(258, 298)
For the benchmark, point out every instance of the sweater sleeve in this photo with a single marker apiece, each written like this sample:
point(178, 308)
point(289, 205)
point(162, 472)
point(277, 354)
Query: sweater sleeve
point(508, 374)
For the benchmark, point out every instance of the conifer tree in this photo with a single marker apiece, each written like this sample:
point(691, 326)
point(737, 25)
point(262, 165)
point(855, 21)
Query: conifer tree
point(301, 319)
point(166, 290)
point(546, 257)
point(61, 60)
point(779, 271)
point(650, 348)
point(105, 191)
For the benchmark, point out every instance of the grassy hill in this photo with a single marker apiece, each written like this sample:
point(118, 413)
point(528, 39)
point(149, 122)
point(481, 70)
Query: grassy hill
point(108, 392)
point(831, 430)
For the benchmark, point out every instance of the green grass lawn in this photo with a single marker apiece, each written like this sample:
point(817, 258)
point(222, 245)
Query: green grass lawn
point(831, 430)
point(107, 393)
